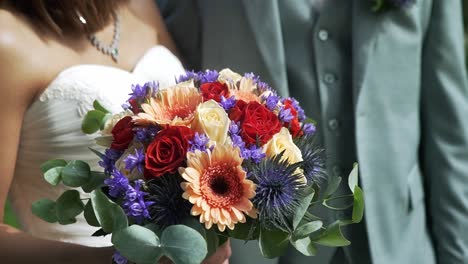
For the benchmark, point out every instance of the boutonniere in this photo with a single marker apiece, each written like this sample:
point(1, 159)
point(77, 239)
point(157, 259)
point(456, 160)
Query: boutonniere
point(380, 5)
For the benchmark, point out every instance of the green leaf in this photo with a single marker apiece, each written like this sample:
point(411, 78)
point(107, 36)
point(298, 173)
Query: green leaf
point(92, 121)
point(95, 181)
point(138, 244)
point(303, 206)
point(273, 243)
point(353, 177)
point(53, 175)
point(45, 209)
point(69, 205)
point(98, 106)
point(333, 183)
point(100, 232)
point(76, 173)
point(358, 205)
point(306, 229)
point(183, 244)
point(212, 241)
point(99, 154)
point(305, 246)
point(109, 215)
point(90, 216)
point(332, 237)
point(52, 164)
point(246, 231)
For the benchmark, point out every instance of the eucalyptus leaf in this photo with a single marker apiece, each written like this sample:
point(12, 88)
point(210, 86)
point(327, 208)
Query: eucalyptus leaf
point(53, 175)
point(358, 205)
point(95, 181)
point(183, 244)
point(69, 205)
point(306, 229)
point(332, 237)
point(353, 177)
point(45, 209)
point(92, 121)
point(303, 206)
point(109, 215)
point(138, 244)
point(305, 246)
point(89, 215)
point(332, 185)
point(98, 106)
point(100, 232)
point(52, 164)
point(76, 173)
point(273, 243)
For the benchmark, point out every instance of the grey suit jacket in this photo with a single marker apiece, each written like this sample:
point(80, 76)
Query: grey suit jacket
point(411, 101)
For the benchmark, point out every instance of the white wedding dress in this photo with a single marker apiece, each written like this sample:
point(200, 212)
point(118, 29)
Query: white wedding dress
point(52, 129)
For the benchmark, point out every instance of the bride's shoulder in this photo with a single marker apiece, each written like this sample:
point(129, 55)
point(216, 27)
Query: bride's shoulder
point(20, 68)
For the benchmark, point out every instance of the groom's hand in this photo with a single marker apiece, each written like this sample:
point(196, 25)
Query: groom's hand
point(221, 256)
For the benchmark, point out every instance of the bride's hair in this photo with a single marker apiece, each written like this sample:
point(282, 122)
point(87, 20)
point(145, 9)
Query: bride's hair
point(64, 15)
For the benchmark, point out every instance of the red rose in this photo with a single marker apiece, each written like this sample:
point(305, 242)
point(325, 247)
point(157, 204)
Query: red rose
point(168, 151)
point(258, 123)
point(236, 113)
point(122, 133)
point(214, 90)
point(294, 127)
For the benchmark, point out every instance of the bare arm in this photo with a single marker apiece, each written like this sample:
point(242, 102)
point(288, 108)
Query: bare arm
point(16, 90)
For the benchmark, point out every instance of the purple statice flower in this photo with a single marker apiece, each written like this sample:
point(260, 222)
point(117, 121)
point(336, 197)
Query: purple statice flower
point(285, 115)
point(138, 92)
point(118, 258)
point(253, 153)
point(136, 160)
point(199, 142)
point(251, 75)
point(402, 3)
point(189, 75)
point(300, 112)
point(309, 129)
point(146, 134)
point(278, 192)
point(227, 103)
point(271, 101)
point(208, 76)
point(263, 86)
point(134, 203)
point(126, 106)
point(109, 159)
point(234, 131)
point(117, 183)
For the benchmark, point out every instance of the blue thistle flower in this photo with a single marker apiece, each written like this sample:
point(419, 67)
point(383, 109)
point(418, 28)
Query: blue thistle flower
point(117, 183)
point(313, 159)
point(279, 191)
point(108, 160)
point(135, 161)
point(168, 208)
point(208, 76)
point(118, 258)
point(199, 141)
point(134, 203)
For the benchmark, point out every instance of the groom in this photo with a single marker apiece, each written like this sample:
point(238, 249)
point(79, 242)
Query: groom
point(390, 91)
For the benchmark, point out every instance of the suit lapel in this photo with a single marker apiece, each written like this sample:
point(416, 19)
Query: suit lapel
point(364, 26)
point(265, 24)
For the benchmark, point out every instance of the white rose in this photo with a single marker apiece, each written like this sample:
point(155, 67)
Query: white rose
point(212, 120)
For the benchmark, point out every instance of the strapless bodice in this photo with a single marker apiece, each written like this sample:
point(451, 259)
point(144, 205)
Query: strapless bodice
point(52, 129)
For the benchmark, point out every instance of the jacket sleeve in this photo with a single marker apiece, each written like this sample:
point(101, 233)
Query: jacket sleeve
point(444, 115)
point(183, 22)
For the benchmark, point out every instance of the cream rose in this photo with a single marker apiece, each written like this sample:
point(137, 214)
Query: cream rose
point(226, 75)
point(211, 119)
point(282, 141)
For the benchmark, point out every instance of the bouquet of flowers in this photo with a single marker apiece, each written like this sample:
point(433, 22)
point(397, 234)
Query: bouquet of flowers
point(185, 167)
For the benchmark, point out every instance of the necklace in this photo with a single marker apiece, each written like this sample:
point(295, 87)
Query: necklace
point(112, 49)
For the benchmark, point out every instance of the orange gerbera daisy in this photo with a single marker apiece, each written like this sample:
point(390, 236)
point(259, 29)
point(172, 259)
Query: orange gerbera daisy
point(174, 106)
point(217, 187)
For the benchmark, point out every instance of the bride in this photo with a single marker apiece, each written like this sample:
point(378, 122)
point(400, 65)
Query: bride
point(56, 58)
